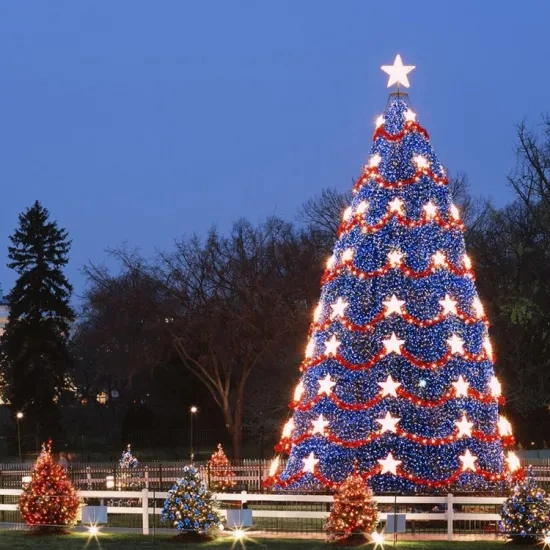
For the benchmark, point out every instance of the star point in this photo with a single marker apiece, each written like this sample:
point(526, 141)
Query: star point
point(488, 347)
point(317, 312)
point(448, 305)
point(388, 423)
point(396, 205)
point(504, 426)
point(393, 305)
point(331, 346)
point(461, 387)
point(319, 425)
point(338, 308)
point(325, 385)
point(439, 259)
point(379, 121)
point(362, 207)
point(464, 427)
point(456, 344)
point(430, 209)
point(422, 163)
point(288, 429)
point(393, 344)
point(347, 255)
point(375, 160)
point(310, 348)
point(389, 387)
point(478, 307)
point(395, 258)
point(309, 463)
point(298, 392)
point(513, 462)
point(468, 461)
point(410, 116)
point(495, 387)
point(389, 464)
point(347, 213)
point(398, 72)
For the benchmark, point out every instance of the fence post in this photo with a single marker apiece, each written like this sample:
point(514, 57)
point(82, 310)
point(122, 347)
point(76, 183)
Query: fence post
point(147, 477)
point(89, 478)
point(450, 514)
point(145, 510)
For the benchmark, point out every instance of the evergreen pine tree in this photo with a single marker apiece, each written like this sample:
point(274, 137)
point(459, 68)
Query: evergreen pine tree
point(526, 513)
point(221, 475)
point(50, 501)
point(190, 506)
point(35, 357)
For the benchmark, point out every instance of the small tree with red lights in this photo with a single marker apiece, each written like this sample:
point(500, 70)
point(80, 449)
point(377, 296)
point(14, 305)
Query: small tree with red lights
point(354, 514)
point(222, 476)
point(50, 501)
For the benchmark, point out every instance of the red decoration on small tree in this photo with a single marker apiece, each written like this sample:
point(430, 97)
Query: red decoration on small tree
point(354, 514)
point(221, 475)
point(50, 501)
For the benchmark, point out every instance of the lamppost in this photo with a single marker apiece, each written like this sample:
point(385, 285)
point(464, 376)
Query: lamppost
point(18, 417)
point(192, 412)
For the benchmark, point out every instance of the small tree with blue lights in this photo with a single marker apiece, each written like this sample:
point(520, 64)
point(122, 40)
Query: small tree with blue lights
point(526, 513)
point(398, 373)
point(190, 506)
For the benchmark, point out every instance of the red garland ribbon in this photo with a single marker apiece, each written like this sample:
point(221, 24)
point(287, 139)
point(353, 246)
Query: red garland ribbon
point(371, 172)
point(410, 126)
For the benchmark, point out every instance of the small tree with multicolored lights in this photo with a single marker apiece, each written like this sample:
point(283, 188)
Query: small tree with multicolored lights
point(354, 514)
point(190, 507)
point(526, 513)
point(50, 501)
point(221, 475)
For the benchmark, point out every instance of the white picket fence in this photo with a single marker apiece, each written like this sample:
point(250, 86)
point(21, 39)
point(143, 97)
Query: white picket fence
point(448, 504)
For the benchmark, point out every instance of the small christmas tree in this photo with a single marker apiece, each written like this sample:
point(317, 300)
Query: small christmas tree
point(354, 514)
point(128, 460)
point(526, 513)
point(222, 476)
point(128, 463)
point(190, 506)
point(50, 501)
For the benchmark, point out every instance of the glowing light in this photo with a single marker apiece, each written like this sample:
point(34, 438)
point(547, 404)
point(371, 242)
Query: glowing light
point(398, 72)
point(422, 383)
point(461, 387)
point(495, 387)
point(331, 261)
point(448, 305)
point(362, 207)
point(379, 121)
point(93, 530)
point(331, 346)
point(310, 462)
point(393, 344)
point(338, 308)
point(388, 423)
point(377, 539)
point(488, 347)
point(468, 461)
point(389, 387)
point(19, 415)
point(310, 348)
point(455, 212)
point(347, 213)
point(317, 312)
point(325, 385)
point(395, 257)
point(319, 425)
point(396, 205)
point(347, 255)
point(504, 426)
point(467, 262)
point(375, 159)
point(430, 209)
point(288, 429)
point(298, 392)
point(410, 116)
point(238, 534)
point(478, 307)
point(513, 461)
point(274, 466)
point(193, 409)
point(456, 344)
point(546, 539)
point(389, 464)
point(393, 305)
point(439, 259)
point(422, 163)
point(464, 427)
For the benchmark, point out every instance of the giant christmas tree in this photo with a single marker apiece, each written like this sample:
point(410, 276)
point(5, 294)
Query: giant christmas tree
point(398, 370)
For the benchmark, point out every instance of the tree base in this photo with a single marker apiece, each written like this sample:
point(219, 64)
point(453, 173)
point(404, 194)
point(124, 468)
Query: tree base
point(357, 539)
point(523, 541)
point(46, 530)
point(192, 537)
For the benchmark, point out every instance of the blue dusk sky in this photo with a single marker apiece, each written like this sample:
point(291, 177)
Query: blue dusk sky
point(138, 121)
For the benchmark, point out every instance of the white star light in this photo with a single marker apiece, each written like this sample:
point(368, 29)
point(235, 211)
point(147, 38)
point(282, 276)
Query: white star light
point(410, 116)
point(395, 257)
point(398, 72)
point(375, 160)
point(467, 262)
point(317, 312)
point(439, 259)
point(274, 467)
point(325, 385)
point(389, 387)
point(495, 387)
point(389, 464)
point(298, 392)
point(422, 163)
point(478, 307)
point(504, 426)
point(396, 205)
point(393, 344)
point(347, 255)
point(448, 305)
point(338, 308)
point(393, 305)
point(464, 427)
point(488, 347)
point(319, 425)
point(310, 348)
point(461, 387)
point(288, 428)
point(430, 209)
point(388, 423)
point(468, 461)
point(331, 261)
point(362, 207)
point(457, 344)
point(379, 121)
point(347, 213)
point(310, 462)
point(455, 213)
point(331, 346)
point(513, 461)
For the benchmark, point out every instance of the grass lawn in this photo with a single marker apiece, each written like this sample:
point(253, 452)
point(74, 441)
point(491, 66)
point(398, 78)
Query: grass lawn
point(18, 540)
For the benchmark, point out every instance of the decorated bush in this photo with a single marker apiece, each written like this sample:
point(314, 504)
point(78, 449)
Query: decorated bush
point(190, 506)
point(49, 502)
point(354, 514)
point(526, 513)
point(221, 475)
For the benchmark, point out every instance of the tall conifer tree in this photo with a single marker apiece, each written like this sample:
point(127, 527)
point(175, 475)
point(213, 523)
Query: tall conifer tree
point(35, 356)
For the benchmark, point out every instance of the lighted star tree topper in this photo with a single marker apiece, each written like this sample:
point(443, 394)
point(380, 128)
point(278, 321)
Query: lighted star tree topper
point(398, 372)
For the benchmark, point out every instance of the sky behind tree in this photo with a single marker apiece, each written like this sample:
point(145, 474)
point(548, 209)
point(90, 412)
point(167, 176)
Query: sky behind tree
point(142, 121)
